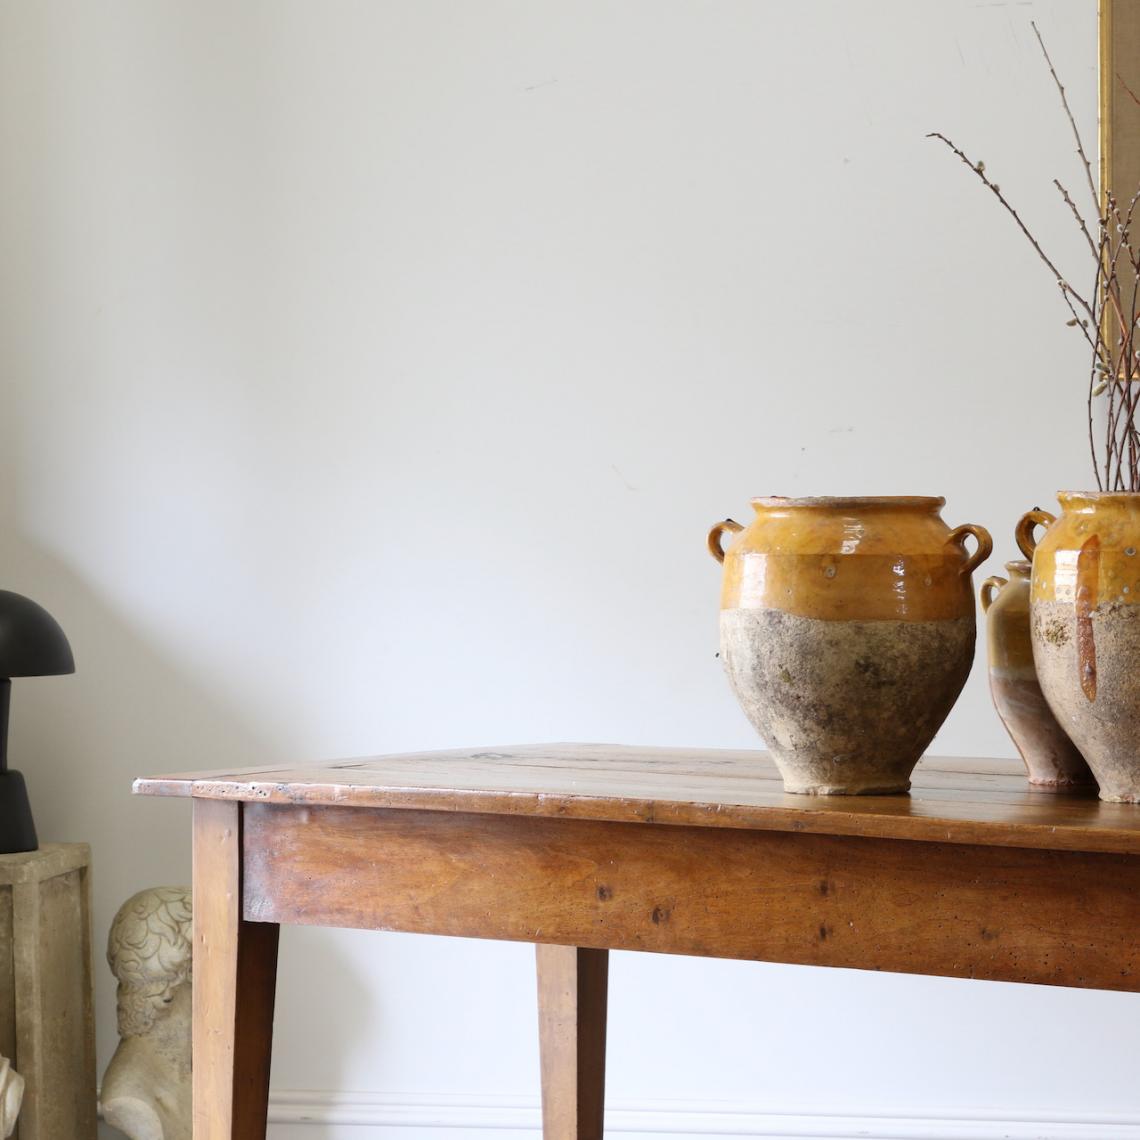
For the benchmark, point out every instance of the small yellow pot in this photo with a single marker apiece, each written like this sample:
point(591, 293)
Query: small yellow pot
point(1051, 759)
point(847, 632)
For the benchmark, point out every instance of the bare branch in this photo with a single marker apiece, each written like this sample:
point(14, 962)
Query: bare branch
point(1078, 215)
point(980, 170)
point(1109, 320)
point(1072, 121)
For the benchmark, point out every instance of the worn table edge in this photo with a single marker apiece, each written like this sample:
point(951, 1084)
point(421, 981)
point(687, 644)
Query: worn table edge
point(191, 783)
point(814, 815)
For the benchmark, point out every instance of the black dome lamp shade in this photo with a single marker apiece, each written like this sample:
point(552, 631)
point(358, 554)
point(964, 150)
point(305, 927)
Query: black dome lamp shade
point(31, 645)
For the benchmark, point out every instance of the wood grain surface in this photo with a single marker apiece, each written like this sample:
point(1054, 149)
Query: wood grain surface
point(953, 800)
point(235, 973)
point(572, 994)
point(1009, 914)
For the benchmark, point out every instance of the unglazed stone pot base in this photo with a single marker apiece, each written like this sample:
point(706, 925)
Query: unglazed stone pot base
point(1107, 728)
point(846, 707)
point(847, 633)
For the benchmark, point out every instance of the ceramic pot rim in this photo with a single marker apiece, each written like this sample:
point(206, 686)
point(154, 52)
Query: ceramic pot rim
point(1020, 566)
point(1065, 498)
point(931, 503)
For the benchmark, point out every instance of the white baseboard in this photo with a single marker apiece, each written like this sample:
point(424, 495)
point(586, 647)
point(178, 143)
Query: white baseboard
point(475, 1113)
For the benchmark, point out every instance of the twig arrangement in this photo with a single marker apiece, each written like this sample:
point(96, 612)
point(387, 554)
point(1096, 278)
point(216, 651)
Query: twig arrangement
point(1107, 317)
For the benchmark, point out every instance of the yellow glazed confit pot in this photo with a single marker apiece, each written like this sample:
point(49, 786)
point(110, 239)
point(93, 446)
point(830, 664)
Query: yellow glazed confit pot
point(847, 631)
point(1085, 628)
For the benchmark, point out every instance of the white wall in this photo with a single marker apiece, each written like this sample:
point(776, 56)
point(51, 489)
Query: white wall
point(371, 373)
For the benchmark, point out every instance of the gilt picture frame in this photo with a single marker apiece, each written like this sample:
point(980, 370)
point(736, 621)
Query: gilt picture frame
point(1120, 97)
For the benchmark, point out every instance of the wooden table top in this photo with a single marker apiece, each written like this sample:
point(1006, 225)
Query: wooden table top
point(985, 802)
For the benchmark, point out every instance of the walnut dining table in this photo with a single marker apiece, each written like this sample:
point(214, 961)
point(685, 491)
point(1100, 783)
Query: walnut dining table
point(586, 848)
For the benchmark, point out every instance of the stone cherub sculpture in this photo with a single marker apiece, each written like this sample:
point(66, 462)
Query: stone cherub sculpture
point(146, 1089)
point(11, 1096)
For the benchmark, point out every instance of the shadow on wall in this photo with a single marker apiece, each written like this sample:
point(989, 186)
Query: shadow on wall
point(129, 711)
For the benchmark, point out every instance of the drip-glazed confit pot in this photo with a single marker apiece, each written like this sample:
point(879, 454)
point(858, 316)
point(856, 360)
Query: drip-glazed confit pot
point(1051, 759)
point(847, 632)
point(1085, 627)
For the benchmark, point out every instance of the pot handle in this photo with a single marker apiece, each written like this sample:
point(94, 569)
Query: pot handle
point(1028, 523)
point(716, 537)
point(990, 589)
point(985, 545)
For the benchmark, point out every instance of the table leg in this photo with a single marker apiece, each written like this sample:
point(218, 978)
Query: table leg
point(235, 974)
point(572, 1037)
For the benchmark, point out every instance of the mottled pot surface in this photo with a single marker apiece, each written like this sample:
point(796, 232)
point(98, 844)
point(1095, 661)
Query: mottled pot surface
point(845, 707)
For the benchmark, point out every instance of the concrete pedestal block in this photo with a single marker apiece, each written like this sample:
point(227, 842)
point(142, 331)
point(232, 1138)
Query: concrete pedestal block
point(47, 1024)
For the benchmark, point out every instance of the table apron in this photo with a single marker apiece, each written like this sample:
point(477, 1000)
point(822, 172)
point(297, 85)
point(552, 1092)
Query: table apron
point(1000, 913)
